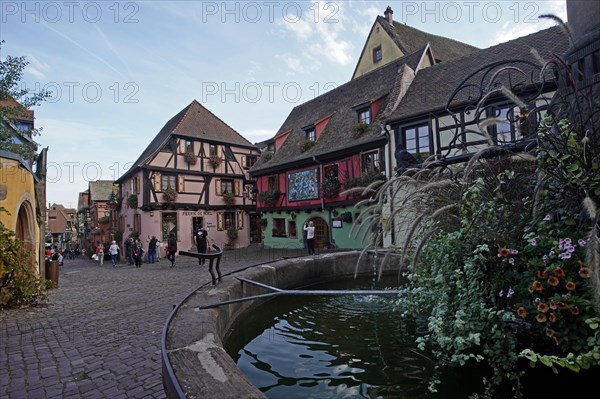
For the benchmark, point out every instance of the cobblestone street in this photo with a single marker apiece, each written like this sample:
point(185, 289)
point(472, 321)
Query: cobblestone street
point(99, 334)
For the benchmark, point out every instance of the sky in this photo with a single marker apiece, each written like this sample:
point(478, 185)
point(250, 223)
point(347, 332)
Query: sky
point(119, 70)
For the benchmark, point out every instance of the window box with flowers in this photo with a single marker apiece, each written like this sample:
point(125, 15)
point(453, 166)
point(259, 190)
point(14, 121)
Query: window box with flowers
point(360, 128)
point(169, 195)
point(189, 156)
point(229, 199)
point(269, 197)
point(132, 201)
point(268, 154)
point(232, 234)
point(104, 219)
point(215, 160)
point(307, 145)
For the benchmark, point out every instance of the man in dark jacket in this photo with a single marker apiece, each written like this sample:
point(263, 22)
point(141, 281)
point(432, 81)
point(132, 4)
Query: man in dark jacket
point(172, 246)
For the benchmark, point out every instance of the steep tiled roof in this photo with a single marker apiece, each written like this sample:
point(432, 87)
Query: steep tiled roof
point(409, 39)
point(337, 105)
point(433, 86)
point(100, 190)
point(194, 121)
point(19, 112)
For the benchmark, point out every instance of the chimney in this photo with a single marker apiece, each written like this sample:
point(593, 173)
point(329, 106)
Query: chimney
point(388, 15)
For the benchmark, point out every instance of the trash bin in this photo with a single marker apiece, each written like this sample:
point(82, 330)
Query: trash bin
point(52, 271)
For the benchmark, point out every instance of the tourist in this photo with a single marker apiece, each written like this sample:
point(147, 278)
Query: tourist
point(138, 252)
point(152, 250)
point(114, 252)
point(172, 246)
point(100, 253)
point(310, 237)
point(202, 243)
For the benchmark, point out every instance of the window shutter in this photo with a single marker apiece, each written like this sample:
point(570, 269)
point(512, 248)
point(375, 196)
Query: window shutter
point(181, 184)
point(157, 182)
point(218, 187)
point(220, 151)
point(181, 146)
point(220, 221)
point(245, 162)
point(240, 220)
point(236, 188)
point(137, 184)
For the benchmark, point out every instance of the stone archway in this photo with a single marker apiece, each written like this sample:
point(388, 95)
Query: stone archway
point(321, 231)
point(25, 229)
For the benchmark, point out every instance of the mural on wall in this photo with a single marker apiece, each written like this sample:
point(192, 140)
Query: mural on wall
point(303, 185)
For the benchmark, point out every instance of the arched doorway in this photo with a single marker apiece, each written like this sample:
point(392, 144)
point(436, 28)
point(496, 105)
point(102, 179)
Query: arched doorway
point(321, 231)
point(24, 229)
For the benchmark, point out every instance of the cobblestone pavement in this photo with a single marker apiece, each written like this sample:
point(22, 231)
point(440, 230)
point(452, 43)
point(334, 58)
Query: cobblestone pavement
point(99, 334)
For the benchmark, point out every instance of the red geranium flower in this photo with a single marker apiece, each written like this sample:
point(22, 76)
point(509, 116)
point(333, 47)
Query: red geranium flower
point(550, 332)
point(570, 286)
point(553, 305)
point(559, 272)
point(552, 317)
point(562, 306)
point(553, 281)
point(522, 312)
point(585, 272)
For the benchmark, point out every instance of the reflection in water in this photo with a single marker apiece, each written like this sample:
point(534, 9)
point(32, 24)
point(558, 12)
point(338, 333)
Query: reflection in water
point(331, 347)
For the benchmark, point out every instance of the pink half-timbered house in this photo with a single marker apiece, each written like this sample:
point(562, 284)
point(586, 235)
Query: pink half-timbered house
point(193, 173)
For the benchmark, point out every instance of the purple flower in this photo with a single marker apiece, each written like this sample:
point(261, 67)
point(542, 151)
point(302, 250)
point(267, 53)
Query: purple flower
point(511, 261)
point(510, 292)
point(501, 293)
point(581, 242)
point(533, 242)
point(547, 218)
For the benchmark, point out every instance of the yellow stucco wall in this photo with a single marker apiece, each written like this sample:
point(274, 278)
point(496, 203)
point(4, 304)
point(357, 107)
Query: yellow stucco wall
point(389, 51)
point(17, 196)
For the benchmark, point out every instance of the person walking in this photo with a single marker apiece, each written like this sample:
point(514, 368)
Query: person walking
point(100, 253)
point(202, 243)
point(138, 252)
point(113, 250)
point(129, 250)
point(310, 237)
point(152, 250)
point(172, 245)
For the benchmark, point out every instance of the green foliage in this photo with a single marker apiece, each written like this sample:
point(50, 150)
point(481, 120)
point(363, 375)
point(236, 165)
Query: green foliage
point(169, 195)
point(21, 285)
point(268, 155)
point(132, 201)
point(11, 74)
point(360, 128)
point(232, 233)
point(330, 186)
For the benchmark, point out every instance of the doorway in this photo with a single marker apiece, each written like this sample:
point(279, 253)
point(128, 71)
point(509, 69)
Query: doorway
point(321, 232)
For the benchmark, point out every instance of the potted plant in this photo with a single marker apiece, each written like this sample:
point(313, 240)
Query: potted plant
point(215, 160)
point(360, 128)
point(132, 201)
point(189, 156)
point(169, 195)
point(268, 154)
point(232, 234)
point(229, 199)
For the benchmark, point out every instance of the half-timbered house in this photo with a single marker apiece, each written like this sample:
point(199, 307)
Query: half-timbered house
point(441, 114)
point(193, 173)
point(338, 140)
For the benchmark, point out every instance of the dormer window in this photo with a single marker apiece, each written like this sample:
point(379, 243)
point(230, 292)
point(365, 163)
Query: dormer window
point(377, 54)
point(310, 134)
point(364, 115)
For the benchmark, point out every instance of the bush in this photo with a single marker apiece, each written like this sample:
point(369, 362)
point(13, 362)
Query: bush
point(20, 284)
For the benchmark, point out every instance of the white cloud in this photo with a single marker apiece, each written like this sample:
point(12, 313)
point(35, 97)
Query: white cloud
point(36, 68)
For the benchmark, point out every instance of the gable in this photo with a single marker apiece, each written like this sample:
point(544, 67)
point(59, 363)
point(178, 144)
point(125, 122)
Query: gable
point(378, 39)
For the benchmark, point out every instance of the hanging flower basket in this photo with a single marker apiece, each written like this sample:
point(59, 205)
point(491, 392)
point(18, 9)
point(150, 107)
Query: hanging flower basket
point(229, 199)
point(169, 195)
point(190, 157)
point(215, 160)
